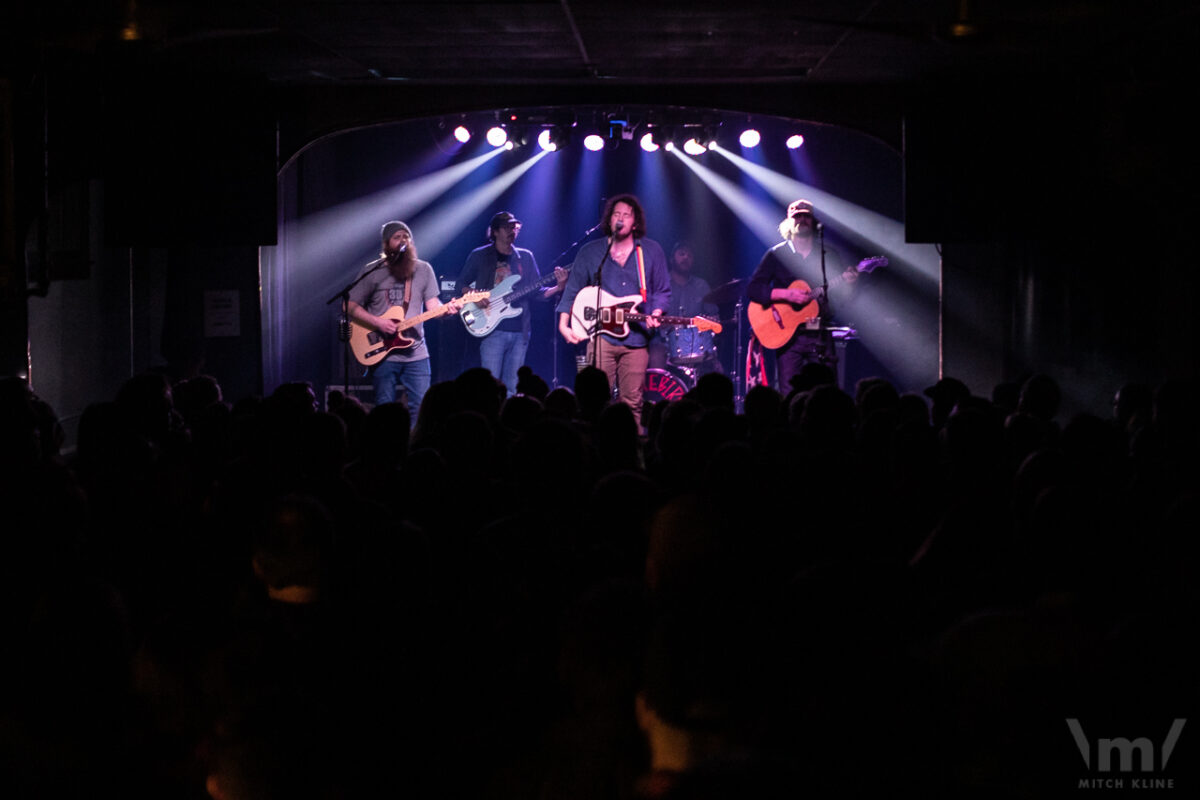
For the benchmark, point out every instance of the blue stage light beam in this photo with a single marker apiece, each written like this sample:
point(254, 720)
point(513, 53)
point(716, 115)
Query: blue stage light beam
point(440, 225)
point(324, 238)
point(875, 231)
point(898, 326)
point(761, 218)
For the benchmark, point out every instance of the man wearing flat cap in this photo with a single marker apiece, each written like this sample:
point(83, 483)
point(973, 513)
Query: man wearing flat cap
point(502, 348)
point(398, 279)
point(797, 258)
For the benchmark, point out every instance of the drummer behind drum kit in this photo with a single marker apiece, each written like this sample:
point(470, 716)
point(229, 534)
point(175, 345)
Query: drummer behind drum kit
point(691, 352)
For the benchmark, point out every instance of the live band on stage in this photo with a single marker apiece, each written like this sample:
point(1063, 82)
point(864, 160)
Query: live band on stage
point(624, 305)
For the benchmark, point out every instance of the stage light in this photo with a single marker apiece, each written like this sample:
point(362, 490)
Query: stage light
point(554, 138)
point(462, 134)
point(510, 145)
point(750, 138)
point(593, 142)
point(693, 147)
point(647, 142)
point(795, 141)
point(497, 136)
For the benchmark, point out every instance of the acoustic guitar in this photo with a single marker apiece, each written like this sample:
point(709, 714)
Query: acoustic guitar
point(775, 324)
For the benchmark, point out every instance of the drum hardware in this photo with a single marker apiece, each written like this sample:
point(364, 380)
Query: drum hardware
point(725, 293)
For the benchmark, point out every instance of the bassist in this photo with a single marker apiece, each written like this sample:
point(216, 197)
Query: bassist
point(502, 351)
point(625, 263)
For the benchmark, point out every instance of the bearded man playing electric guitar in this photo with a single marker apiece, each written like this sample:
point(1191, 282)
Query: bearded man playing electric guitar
point(624, 264)
point(398, 284)
point(788, 281)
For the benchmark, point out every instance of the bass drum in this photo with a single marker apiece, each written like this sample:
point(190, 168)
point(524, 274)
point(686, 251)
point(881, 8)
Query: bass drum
point(664, 384)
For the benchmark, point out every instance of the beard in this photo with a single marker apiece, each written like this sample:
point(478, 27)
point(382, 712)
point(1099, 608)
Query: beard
point(403, 263)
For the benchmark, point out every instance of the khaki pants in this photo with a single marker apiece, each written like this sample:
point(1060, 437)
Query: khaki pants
point(626, 370)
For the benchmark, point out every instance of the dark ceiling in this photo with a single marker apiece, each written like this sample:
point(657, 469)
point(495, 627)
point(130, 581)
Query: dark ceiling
point(296, 70)
point(335, 42)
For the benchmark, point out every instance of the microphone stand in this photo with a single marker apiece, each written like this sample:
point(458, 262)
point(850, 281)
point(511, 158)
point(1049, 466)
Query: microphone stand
point(739, 386)
point(344, 332)
point(826, 317)
point(595, 334)
point(558, 263)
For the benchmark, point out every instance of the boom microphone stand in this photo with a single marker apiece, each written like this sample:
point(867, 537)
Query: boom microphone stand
point(344, 324)
point(826, 317)
point(595, 332)
point(558, 263)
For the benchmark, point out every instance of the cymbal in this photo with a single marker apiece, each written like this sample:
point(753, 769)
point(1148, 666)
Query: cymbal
point(725, 293)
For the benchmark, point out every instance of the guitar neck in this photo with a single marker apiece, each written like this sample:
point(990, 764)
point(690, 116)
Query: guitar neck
point(517, 294)
point(408, 322)
point(636, 317)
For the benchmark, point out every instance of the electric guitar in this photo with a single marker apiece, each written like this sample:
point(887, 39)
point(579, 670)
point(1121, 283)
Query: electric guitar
point(596, 311)
point(481, 321)
point(775, 323)
point(370, 346)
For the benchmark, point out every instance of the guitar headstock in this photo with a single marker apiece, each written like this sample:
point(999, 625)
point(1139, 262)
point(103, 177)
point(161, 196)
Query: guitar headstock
point(706, 324)
point(871, 264)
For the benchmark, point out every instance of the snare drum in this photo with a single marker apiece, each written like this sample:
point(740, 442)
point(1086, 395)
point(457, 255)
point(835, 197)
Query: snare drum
point(687, 346)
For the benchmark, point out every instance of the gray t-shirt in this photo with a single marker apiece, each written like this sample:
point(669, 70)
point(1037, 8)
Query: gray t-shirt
point(381, 291)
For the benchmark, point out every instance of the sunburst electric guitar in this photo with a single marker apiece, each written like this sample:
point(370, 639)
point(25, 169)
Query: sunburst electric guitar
point(596, 311)
point(774, 324)
point(370, 346)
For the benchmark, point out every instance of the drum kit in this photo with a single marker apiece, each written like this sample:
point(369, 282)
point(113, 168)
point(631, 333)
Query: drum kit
point(690, 352)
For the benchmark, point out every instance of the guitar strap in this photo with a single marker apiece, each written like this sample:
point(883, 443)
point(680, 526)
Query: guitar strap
point(642, 277)
point(407, 294)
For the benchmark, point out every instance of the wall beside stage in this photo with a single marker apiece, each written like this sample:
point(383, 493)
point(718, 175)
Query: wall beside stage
point(1065, 217)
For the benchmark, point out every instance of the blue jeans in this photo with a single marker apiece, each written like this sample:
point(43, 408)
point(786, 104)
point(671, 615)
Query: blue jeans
point(502, 353)
point(414, 376)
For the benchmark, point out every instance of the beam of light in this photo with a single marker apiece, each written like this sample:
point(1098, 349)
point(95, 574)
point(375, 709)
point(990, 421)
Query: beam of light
point(897, 326)
point(795, 141)
point(437, 228)
point(462, 134)
point(320, 253)
point(327, 236)
point(874, 230)
point(761, 218)
point(497, 136)
point(750, 138)
point(593, 142)
point(647, 142)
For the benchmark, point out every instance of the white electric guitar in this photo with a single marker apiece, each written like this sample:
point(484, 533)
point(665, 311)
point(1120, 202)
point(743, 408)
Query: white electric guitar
point(596, 311)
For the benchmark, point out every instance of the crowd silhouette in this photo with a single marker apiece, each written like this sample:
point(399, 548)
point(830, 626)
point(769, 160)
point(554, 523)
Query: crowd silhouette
point(829, 592)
